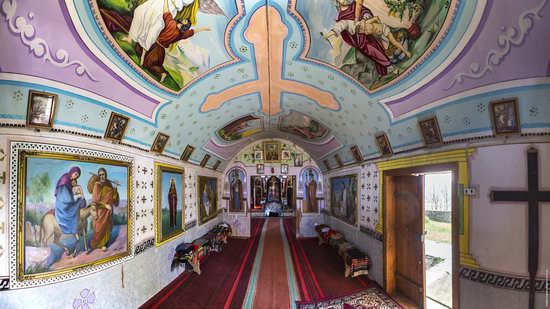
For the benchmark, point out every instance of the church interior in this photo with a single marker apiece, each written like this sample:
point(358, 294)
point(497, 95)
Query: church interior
point(274, 154)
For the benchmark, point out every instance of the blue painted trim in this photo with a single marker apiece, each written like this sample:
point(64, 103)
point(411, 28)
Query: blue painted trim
point(12, 116)
point(79, 97)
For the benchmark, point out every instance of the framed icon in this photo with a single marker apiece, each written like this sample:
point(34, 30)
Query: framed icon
point(216, 165)
point(285, 154)
point(205, 160)
point(299, 160)
point(272, 152)
point(430, 131)
point(116, 127)
point(356, 152)
point(41, 109)
point(260, 169)
point(505, 117)
point(339, 160)
point(258, 155)
point(160, 142)
point(187, 153)
point(384, 145)
point(284, 169)
point(327, 165)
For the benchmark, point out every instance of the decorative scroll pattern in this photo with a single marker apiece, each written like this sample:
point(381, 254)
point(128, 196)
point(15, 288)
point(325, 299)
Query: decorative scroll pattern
point(511, 37)
point(38, 46)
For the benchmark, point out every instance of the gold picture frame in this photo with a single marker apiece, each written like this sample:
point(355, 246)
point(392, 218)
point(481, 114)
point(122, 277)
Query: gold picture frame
point(216, 165)
point(431, 134)
point(160, 143)
point(505, 117)
point(187, 153)
point(47, 163)
point(272, 152)
point(384, 145)
point(284, 169)
point(41, 109)
point(339, 160)
point(116, 127)
point(205, 160)
point(327, 165)
point(357, 155)
point(166, 174)
point(341, 194)
point(207, 198)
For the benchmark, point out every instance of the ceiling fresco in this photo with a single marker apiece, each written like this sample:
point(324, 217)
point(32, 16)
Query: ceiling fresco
point(219, 75)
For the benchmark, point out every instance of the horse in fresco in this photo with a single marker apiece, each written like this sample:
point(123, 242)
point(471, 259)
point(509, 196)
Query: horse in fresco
point(49, 227)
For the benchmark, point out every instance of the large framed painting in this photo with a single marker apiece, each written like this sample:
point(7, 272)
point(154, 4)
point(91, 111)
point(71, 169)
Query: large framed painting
point(73, 215)
point(272, 152)
point(310, 181)
point(237, 201)
point(208, 198)
point(169, 201)
point(343, 198)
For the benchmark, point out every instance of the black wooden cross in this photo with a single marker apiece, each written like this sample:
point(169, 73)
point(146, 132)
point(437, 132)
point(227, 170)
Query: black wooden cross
point(533, 196)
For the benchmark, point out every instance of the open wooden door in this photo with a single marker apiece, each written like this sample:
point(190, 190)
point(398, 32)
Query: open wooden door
point(406, 193)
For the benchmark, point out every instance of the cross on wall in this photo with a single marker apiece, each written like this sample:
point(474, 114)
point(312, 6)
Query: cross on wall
point(533, 196)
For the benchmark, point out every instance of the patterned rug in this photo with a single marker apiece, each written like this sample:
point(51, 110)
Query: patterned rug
point(371, 297)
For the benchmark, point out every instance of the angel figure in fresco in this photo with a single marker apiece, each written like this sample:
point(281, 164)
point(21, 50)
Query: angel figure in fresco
point(373, 37)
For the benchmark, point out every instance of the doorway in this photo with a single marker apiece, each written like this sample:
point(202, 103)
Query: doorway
point(420, 217)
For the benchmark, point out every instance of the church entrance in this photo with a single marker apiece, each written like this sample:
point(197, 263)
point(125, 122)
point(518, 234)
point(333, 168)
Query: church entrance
point(420, 216)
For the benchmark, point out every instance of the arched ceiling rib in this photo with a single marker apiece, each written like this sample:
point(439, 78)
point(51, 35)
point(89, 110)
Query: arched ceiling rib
point(225, 86)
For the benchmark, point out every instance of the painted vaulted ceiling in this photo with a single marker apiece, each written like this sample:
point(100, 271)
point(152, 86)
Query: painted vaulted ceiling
point(302, 70)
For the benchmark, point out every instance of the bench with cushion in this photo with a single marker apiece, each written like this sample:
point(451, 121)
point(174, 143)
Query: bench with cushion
point(356, 263)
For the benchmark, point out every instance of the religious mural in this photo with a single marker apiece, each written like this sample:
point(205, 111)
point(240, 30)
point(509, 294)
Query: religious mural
point(74, 212)
point(169, 201)
point(207, 198)
point(343, 198)
point(375, 41)
point(310, 181)
point(236, 193)
point(172, 41)
point(302, 126)
point(241, 128)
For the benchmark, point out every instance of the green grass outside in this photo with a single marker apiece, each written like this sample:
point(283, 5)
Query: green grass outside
point(438, 231)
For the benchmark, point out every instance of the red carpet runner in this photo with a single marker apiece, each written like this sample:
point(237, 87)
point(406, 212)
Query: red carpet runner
point(272, 269)
point(320, 270)
point(223, 282)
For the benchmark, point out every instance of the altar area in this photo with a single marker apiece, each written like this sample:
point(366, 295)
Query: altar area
point(273, 195)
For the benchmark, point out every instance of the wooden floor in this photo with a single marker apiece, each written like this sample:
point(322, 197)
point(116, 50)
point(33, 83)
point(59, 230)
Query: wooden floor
point(403, 301)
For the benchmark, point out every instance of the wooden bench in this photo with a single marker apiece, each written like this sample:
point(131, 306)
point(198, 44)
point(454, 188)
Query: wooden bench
point(355, 262)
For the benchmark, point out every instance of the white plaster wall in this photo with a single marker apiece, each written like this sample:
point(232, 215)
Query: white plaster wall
point(498, 230)
point(125, 285)
point(368, 197)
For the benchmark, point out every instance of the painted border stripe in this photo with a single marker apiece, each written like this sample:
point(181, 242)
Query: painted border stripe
point(291, 277)
point(238, 278)
point(253, 281)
